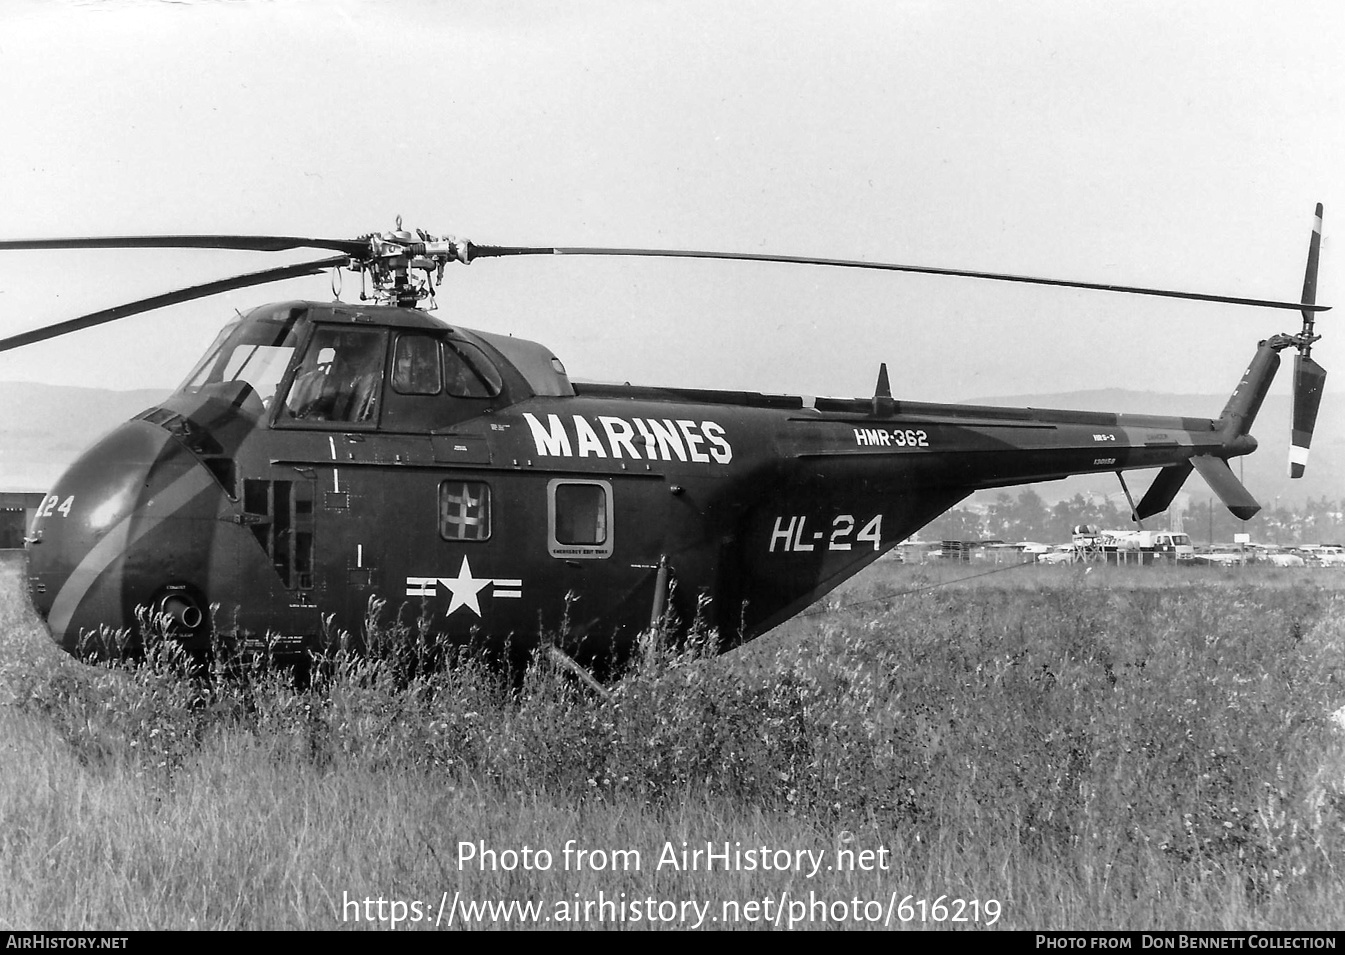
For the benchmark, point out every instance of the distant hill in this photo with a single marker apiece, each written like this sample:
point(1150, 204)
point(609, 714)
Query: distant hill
point(1266, 472)
point(43, 428)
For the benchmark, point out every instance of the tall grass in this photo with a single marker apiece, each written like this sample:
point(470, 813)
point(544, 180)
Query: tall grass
point(1153, 753)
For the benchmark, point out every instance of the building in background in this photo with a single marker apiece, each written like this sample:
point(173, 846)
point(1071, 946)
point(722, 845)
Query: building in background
point(17, 509)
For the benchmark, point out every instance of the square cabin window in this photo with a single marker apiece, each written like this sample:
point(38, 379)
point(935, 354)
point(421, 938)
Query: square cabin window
point(415, 365)
point(464, 510)
point(580, 518)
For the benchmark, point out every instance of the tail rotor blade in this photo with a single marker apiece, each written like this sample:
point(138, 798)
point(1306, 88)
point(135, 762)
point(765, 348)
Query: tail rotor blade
point(1309, 378)
point(1310, 275)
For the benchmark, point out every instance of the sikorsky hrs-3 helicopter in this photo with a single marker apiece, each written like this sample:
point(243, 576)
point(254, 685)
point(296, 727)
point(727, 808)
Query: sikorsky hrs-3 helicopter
point(322, 454)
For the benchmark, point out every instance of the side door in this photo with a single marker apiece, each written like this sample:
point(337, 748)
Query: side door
point(606, 541)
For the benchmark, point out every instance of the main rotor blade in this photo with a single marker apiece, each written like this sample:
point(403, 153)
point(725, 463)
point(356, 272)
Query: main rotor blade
point(247, 243)
point(172, 298)
point(489, 251)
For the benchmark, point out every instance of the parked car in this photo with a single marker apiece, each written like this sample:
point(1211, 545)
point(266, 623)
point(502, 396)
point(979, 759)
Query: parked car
point(1060, 554)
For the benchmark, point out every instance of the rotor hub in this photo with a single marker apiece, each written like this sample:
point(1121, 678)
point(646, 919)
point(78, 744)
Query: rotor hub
point(403, 267)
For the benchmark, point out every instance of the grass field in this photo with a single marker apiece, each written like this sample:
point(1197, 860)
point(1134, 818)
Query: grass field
point(1036, 748)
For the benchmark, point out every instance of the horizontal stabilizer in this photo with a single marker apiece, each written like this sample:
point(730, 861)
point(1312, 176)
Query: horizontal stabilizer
point(1163, 490)
point(1219, 476)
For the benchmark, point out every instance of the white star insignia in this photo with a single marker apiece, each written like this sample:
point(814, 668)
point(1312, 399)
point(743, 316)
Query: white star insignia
point(464, 588)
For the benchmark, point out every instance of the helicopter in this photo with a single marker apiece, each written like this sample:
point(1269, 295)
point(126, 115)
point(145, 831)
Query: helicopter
point(323, 458)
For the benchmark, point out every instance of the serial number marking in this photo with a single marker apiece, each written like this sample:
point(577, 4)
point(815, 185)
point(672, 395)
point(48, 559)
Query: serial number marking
point(1098, 461)
point(897, 437)
point(795, 537)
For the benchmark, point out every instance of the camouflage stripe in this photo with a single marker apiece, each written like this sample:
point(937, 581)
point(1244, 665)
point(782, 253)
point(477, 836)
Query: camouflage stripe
point(118, 540)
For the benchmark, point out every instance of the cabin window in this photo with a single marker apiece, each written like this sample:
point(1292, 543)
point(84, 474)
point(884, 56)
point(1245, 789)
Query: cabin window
point(464, 510)
point(469, 372)
point(425, 365)
point(415, 366)
point(580, 518)
point(340, 378)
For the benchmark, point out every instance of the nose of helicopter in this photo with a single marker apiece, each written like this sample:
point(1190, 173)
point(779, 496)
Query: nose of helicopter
point(121, 529)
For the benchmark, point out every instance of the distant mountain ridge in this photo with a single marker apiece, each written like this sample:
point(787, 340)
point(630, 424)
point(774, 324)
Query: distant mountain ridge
point(45, 427)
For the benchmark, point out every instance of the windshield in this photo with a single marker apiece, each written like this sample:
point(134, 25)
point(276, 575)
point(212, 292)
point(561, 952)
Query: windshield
point(253, 352)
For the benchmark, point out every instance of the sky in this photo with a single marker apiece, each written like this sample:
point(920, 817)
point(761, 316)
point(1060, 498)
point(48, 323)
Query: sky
point(1141, 143)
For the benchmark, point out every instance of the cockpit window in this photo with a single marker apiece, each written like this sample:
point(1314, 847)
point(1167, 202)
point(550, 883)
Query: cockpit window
point(251, 356)
point(426, 365)
point(261, 366)
point(207, 363)
point(340, 378)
